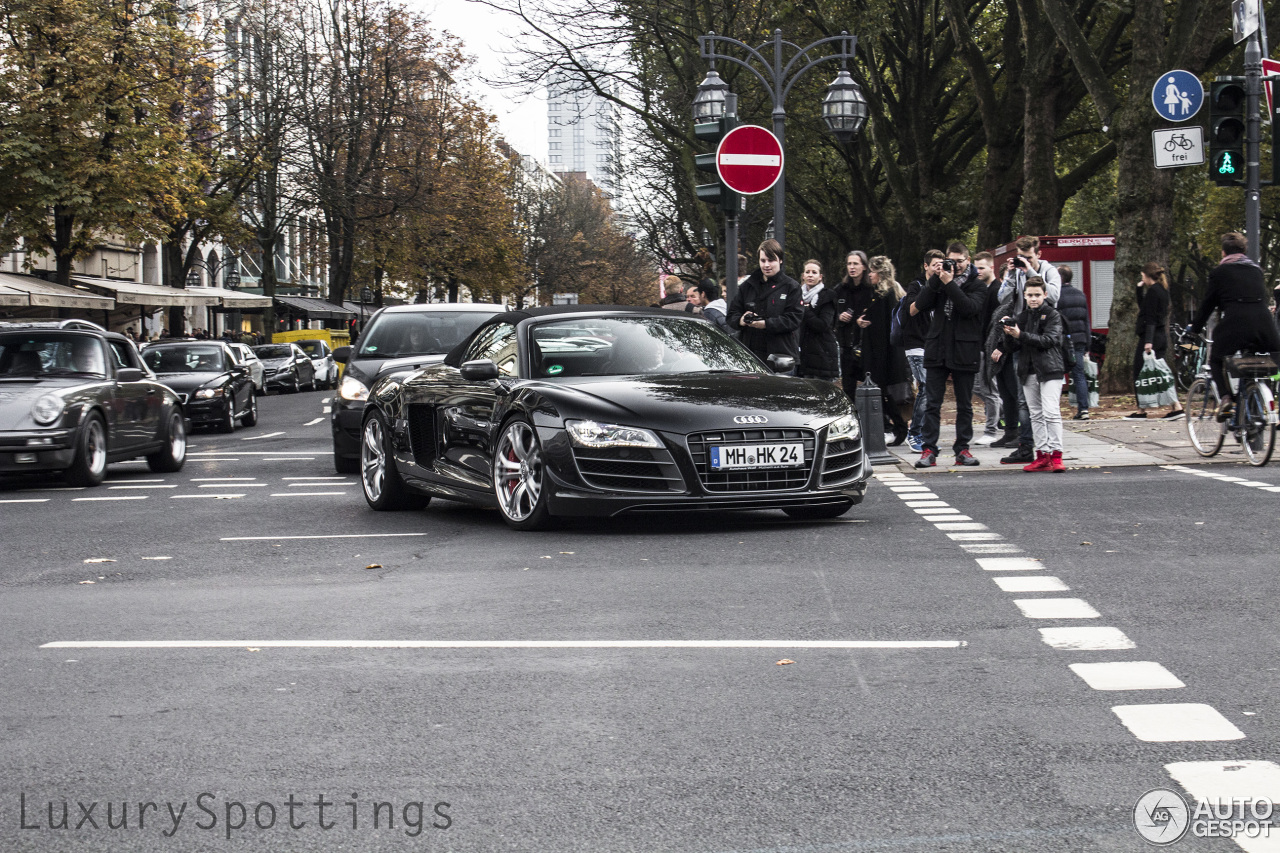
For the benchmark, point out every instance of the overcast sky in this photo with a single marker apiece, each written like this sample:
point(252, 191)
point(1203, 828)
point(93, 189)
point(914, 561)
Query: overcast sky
point(486, 35)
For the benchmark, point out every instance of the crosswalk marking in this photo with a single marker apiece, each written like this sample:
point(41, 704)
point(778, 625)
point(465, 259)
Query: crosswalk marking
point(1056, 608)
point(1090, 639)
point(1177, 723)
point(1127, 675)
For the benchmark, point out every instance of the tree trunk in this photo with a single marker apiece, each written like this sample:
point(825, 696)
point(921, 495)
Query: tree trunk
point(267, 239)
point(63, 254)
point(341, 229)
point(453, 290)
point(174, 276)
point(1041, 210)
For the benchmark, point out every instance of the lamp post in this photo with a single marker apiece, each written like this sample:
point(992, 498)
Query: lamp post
point(844, 109)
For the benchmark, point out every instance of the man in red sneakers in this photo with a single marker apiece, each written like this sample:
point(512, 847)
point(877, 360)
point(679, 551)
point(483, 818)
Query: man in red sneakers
point(1037, 336)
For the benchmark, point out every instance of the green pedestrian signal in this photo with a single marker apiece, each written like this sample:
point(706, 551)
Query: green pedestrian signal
point(1227, 164)
point(1226, 132)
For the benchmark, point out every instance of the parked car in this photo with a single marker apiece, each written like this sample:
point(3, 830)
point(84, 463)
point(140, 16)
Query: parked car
point(322, 360)
point(396, 341)
point(601, 411)
point(245, 355)
point(74, 398)
point(286, 367)
point(215, 389)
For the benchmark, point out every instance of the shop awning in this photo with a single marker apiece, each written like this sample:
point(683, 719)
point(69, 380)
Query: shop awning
point(233, 299)
point(146, 295)
point(39, 293)
point(313, 309)
point(13, 298)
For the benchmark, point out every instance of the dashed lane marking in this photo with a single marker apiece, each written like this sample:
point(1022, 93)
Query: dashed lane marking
point(214, 495)
point(141, 487)
point(222, 479)
point(1010, 564)
point(25, 501)
point(921, 504)
point(327, 410)
point(960, 525)
point(1031, 583)
point(1127, 675)
point(992, 548)
point(973, 537)
point(233, 486)
point(289, 459)
point(266, 435)
point(313, 422)
point(1245, 780)
point(945, 517)
point(1089, 639)
point(1056, 608)
point(1224, 478)
point(319, 536)
point(936, 510)
point(1176, 723)
point(506, 644)
point(115, 498)
point(304, 494)
point(326, 399)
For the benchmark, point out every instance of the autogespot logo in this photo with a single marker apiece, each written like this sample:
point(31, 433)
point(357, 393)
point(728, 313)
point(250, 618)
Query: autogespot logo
point(750, 419)
point(1161, 816)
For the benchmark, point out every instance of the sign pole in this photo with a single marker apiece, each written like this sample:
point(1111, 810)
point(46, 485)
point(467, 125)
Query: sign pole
point(731, 223)
point(1253, 145)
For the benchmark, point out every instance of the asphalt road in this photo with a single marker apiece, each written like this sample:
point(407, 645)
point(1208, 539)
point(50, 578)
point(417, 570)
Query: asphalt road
point(957, 726)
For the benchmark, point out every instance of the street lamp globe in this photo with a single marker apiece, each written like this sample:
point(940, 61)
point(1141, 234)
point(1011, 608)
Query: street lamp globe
point(708, 105)
point(844, 109)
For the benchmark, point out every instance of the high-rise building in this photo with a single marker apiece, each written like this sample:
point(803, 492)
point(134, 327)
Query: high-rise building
point(582, 134)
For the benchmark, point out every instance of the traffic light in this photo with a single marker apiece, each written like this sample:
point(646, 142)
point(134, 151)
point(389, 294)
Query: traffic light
point(1226, 133)
point(716, 194)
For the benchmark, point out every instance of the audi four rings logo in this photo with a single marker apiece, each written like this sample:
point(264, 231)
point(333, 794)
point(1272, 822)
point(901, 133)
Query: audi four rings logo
point(750, 419)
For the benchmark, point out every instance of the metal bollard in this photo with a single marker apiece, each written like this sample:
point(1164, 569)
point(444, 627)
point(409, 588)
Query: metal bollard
point(871, 417)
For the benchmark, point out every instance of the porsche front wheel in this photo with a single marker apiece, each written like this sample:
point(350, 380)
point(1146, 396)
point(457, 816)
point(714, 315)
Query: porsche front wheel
point(520, 477)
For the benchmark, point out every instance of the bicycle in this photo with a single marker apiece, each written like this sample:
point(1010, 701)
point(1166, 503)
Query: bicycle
point(1178, 140)
point(1189, 354)
point(1254, 419)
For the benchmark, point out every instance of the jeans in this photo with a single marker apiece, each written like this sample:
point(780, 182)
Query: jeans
point(1078, 378)
point(916, 363)
point(936, 384)
point(1014, 403)
point(984, 386)
point(1044, 399)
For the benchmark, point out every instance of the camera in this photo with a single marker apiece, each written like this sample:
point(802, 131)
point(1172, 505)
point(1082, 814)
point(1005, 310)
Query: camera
point(949, 265)
point(1008, 321)
point(751, 317)
point(1019, 262)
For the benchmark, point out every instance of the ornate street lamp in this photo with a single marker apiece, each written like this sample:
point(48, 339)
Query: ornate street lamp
point(709, 103)
point(844, 109)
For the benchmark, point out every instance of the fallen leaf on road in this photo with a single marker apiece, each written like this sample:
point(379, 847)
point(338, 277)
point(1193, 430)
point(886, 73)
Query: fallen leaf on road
point(252, 649)
point(785, 661)
point(566, 552)
point(88, 581)
point(99, 560)
point(374, 566)
point(545, 558)
point(1086, 543)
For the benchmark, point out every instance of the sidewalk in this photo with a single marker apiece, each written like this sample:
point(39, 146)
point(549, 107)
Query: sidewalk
point(1106, 441)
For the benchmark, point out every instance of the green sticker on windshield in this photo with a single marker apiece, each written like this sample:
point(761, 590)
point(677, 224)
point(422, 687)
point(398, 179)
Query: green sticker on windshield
point(554, 369)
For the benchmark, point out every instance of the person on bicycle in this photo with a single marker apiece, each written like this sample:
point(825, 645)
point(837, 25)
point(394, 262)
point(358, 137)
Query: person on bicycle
point(1238, 289)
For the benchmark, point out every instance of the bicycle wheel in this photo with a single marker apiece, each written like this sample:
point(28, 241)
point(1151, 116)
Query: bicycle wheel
point(1186, 364)
point(1202, 418)
point(1259, 434)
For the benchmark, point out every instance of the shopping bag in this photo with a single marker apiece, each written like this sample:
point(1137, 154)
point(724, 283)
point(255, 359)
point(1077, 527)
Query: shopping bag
point(1091, 377)
point(1155, 384)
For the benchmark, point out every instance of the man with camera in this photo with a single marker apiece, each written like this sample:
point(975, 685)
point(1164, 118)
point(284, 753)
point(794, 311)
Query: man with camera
point(953, 347)
point(769, 307)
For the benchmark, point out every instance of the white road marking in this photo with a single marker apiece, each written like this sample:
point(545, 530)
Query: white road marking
point(992, 548)
point(1056, 608)
point(233, 485)
point(943, 517)
point(141, 487)
point(131, 480)
point(289, 459)
point(1010, 564)
point(973, 537)
point(25, 501)
point(326, 399)
point(1272, 489)
point(911, 488)
point(115, 498)
point(337, 477)
point(313, 485)
point(919, 496)
point(314, 422)
point(960, 525)
point(267, 435)
point(218, 495)
point(304, 494)
point(320, 536)
point(221, 479)
point(251, 452)
point(55, 489)
point(1032, 583)
point(918, 504)
point(1127, 675)
point(940, 510)
point(1213, 780)
point(1086, 639)
point(1177, 722)
point(327, 410)
point(507, 644)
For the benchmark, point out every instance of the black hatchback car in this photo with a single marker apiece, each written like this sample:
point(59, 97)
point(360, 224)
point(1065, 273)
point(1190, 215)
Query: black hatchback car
point(216, 390)
point(74, 398)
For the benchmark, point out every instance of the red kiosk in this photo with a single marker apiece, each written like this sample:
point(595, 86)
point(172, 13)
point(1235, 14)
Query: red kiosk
point(1092, 258)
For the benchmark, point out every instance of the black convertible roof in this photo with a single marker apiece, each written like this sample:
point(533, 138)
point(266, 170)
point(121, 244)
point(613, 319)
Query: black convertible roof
point(514, 317)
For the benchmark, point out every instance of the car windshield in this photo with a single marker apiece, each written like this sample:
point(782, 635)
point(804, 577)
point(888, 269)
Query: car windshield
point(274, 351)
point(394, 335)
point(197, 358)
point(630, 346)
point(313, 349)
point(50, 354)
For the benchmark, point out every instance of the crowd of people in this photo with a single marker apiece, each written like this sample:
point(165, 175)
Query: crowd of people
point(1008, 336)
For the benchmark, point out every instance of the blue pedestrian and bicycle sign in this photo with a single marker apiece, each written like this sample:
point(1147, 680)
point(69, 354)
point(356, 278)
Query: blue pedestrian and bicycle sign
point(1177, 95)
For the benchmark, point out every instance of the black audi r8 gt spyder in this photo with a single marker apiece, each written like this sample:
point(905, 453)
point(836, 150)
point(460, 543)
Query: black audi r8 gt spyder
point(602, 411)
point(74, 398)
point(216, 389)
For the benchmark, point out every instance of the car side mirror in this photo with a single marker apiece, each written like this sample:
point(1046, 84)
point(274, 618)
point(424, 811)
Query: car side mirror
point(240, 370)
point(480, 370)
point(342, 355)
point(129, 374)
point(782, 363)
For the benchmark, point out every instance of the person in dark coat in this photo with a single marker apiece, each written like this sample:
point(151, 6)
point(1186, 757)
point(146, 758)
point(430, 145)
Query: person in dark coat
point(1153, 336)
point(1038, 335)
point(853, 301)
point(952, 348)
point(768, 307)
point(1074, 309)
point(819, 353)
point(886, 363)
point(1236, 288)
point(914, 328)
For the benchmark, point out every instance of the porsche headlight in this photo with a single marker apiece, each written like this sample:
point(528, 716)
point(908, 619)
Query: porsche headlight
point(206, 393)
point(353, 389)
point(592, 434)
point(47, 409)
point(844, 429)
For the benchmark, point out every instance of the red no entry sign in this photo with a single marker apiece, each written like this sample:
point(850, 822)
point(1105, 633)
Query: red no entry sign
point(749, 159)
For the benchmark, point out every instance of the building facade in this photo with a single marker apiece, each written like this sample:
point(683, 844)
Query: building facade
point(583, 134)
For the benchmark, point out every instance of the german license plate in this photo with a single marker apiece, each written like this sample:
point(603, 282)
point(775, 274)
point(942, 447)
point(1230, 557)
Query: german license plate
point(757, 456)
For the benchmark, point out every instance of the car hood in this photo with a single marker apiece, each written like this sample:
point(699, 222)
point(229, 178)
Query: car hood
point(16, 398)
point(185, 383)
point(700, 401)
point(275, 363)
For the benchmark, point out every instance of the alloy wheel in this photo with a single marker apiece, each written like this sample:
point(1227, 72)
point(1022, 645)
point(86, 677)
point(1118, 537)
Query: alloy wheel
point(373, 460)
point(517, 471)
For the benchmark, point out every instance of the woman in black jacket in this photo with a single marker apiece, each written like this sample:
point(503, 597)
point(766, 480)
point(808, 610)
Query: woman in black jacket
point(853, 300)
point(886, 363)
point(819, 355)
point(1153, 337)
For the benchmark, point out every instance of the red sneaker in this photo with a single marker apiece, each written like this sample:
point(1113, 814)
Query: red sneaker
point(1055, 462)
point(1041, 464)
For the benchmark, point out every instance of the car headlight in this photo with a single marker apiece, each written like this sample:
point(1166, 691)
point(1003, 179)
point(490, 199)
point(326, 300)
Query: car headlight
point(206, 393)
point(47, 409)
point(844, 429)
point(353, 389)
point(592, 434)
